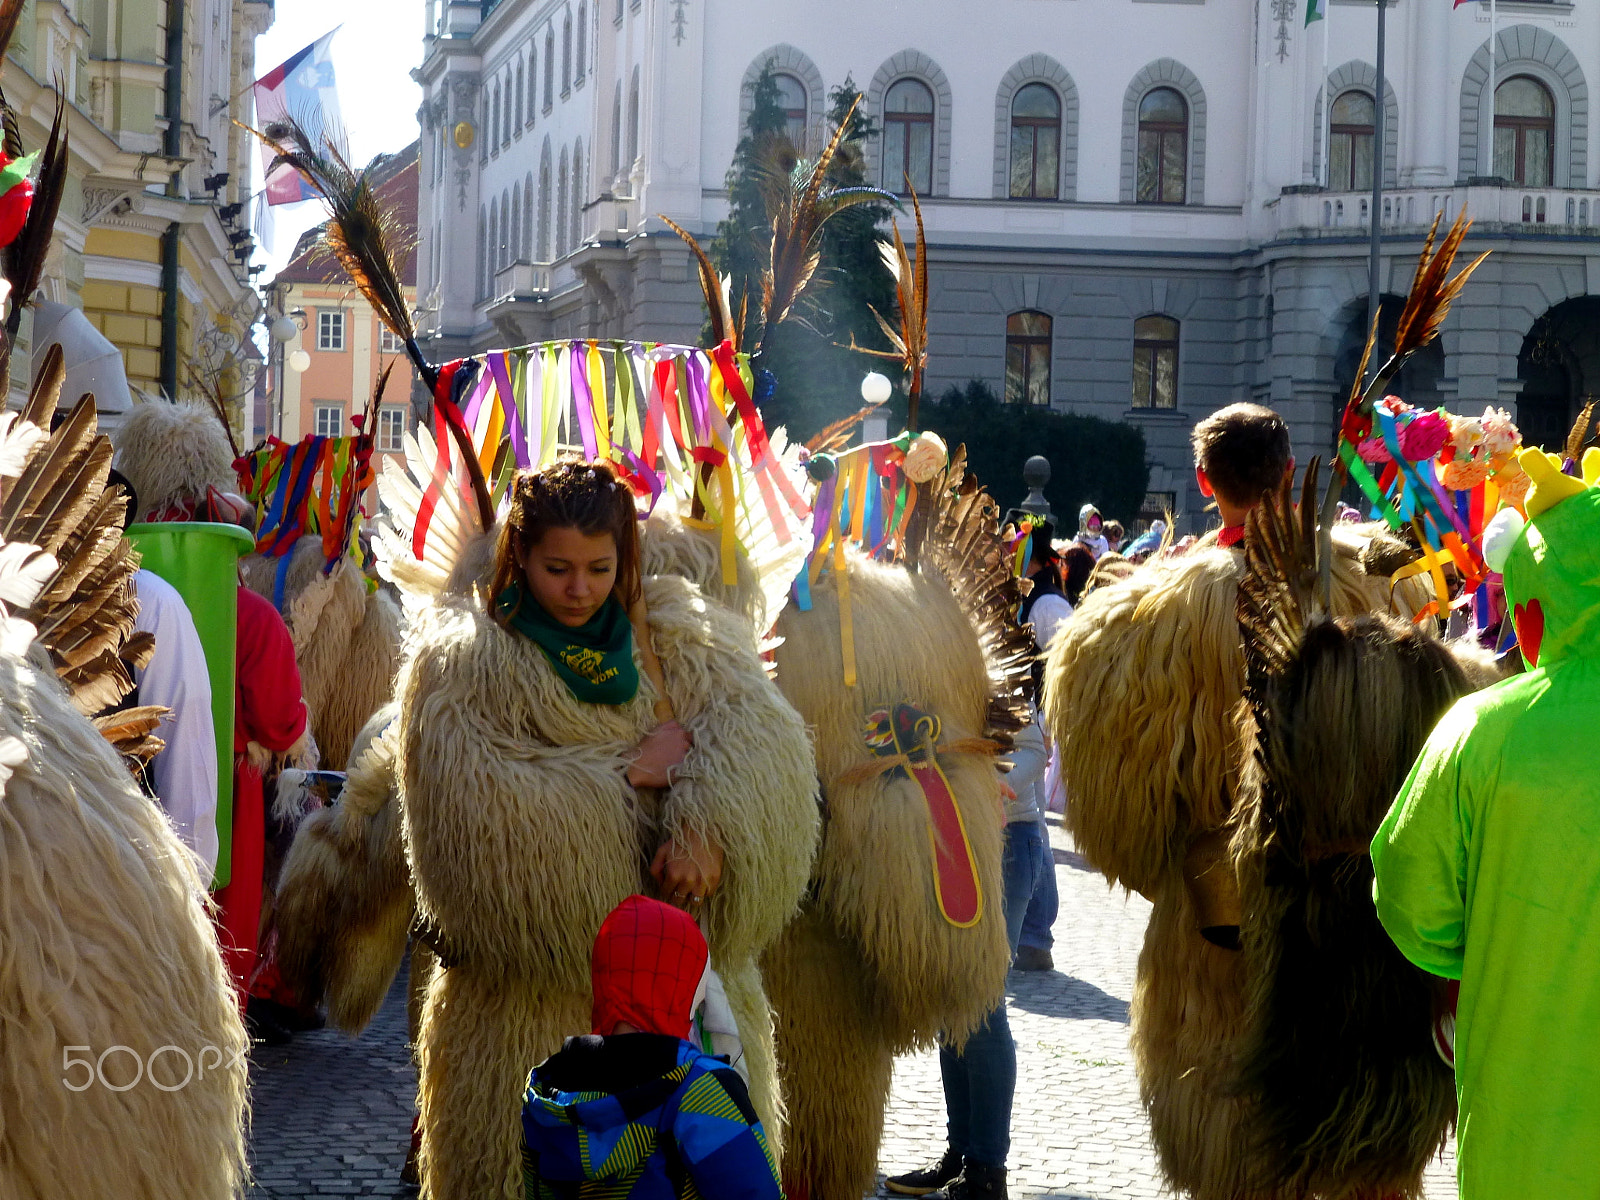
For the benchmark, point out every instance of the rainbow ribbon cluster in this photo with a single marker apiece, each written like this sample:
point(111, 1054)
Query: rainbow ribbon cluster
point(312, 487)
point(865, 502)
point(1441, 475)
point(671, 419)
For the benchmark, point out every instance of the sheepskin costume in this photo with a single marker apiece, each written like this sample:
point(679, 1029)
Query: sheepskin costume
point(173, 453)
point(106, 945)
point(346, 641)
point(521, 835)
point(871, 968)
point(1142, 694)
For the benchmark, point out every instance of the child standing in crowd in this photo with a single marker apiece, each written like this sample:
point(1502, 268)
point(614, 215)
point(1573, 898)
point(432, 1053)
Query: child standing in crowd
point(636, 1108)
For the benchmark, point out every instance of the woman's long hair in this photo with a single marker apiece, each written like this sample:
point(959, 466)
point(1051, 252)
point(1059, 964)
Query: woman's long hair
point(1077, 565)
point(586, 496)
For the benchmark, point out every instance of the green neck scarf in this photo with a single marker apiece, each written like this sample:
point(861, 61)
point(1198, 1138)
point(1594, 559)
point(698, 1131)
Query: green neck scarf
point(594, 660)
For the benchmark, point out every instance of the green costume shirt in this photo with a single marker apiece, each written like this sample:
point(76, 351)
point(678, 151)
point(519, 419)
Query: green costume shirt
point(1488, 871)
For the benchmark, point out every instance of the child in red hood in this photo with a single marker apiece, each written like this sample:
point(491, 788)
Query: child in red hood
point(636, 1105)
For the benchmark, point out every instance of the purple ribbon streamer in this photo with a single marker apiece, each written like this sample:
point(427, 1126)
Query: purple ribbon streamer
point(508, 405)
point(583, 400)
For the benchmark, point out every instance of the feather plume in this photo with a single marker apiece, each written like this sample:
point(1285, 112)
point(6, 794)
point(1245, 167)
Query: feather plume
point(18, 440)
point(1579, 433)
point(715, 289)
point(910, 338)
point(82, 608)
point(24, 571)
point(45, 393)
point(366, 240)
point(130, 731)
point(1279, 593)
point(836, 435)
point(24, 258)
point(799, 203)
point(963, 545)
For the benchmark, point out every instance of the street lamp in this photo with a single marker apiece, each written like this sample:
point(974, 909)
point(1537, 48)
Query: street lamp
point(282, 331)
point(875, 389)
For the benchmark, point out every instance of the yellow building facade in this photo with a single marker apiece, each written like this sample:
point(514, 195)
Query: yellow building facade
point(153, 237)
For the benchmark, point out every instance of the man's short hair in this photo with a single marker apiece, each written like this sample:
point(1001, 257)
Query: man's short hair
point(1244, 451)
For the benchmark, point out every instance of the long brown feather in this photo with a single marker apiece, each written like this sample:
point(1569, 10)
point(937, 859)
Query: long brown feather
point(25, 257)
point(45, 393)
point(723, 327)
point(1579, 433)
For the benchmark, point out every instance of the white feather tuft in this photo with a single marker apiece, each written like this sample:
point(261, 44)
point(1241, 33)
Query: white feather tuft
point(18, 440)
point(24, 571)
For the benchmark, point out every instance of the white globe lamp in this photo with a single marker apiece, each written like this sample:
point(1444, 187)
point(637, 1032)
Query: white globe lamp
point(299, 360)
point(876, 388)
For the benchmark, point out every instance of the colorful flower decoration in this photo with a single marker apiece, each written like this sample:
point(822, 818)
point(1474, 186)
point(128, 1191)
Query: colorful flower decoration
point(16, 194)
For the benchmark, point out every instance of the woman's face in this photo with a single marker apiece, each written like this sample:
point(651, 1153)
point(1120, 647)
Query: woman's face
point(571, 573)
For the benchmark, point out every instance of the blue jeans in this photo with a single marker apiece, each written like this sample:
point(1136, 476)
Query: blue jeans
point(1046, 902)
point(979, 1082)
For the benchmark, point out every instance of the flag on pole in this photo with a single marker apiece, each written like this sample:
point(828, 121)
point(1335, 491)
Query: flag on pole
point(301, 88)
point(1316, 10)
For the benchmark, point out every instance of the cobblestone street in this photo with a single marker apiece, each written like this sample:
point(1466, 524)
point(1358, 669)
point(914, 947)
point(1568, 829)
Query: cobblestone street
point(332, 1115)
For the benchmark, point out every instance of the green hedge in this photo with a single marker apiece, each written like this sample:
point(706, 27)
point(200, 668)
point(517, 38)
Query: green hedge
point(1092, 460)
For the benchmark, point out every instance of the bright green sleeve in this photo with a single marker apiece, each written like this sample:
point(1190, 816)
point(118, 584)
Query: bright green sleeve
point(1419, 855)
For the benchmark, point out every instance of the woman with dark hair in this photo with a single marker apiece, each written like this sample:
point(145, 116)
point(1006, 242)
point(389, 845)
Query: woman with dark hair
point(1077, 564)
point(545, 779)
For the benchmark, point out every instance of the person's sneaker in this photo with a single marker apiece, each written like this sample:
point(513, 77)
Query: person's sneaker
point(976, 1182)
point(1033, 958)
point(928, 1179)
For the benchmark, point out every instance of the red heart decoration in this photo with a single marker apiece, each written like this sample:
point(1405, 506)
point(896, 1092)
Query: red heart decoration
point(1529, 621)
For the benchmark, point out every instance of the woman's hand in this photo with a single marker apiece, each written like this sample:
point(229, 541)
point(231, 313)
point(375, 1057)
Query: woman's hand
point(661, 752)
point(687, 869)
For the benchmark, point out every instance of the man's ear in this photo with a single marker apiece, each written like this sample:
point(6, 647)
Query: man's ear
point(1205, 484)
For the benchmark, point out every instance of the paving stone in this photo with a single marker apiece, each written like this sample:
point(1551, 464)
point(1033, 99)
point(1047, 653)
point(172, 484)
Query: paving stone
point(332, 1114)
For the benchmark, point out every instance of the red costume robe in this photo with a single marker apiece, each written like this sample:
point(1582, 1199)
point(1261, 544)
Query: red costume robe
point(269, 710)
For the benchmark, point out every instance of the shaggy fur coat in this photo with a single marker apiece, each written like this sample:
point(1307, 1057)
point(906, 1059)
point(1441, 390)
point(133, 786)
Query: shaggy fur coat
point(521, 834)
point(172, 453)
point(105, 942)
point(871, 968)
point(1142, 690)
point(346, 642)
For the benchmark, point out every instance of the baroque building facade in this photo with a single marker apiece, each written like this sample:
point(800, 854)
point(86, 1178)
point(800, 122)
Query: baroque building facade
point(154, 233)
point(1136, 209)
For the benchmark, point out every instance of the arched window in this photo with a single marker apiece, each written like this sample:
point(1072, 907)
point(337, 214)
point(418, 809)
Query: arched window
point(908, 136)
point(549, 68)
point(517, 112)
point(533, 84)
point(566, 56)
point(583, 26)
point(1155, 362)
point(796, 107)
point(633, 120)
point(616, 132)
point(506, 118)
point(494, 242)
point(578, 196)
point(1350, 142)
point(494, 118)
point(1028, 358)
point(1524, 131)
point(1163, 148)
point(1035, 143)
point(544, 205)
point(514, 231)
point(527, 217)
point(483, 250)
point(562, 178)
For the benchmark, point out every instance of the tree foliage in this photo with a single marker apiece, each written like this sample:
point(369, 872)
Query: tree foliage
point(1092, 460)
point(819, 380)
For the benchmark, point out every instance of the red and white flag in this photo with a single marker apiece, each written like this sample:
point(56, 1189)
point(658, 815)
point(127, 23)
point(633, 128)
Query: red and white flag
point(302, 89)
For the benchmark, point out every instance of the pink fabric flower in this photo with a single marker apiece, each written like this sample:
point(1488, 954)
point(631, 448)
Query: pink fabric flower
point(1464, 474)
point(1424, 436)
point(1374, 451)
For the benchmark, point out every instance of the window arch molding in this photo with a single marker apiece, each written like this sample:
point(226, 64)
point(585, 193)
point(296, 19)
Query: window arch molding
point(1355, 76)
point(1166, 72)
point(1538, 53)
point(1036, 68)
point(785, 60)
point(913, 64)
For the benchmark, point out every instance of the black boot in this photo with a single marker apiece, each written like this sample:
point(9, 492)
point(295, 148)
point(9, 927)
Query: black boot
point(976, 1182)
point(928, 1179)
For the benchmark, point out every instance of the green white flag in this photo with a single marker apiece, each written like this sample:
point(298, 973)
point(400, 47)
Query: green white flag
point(1316, 10)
